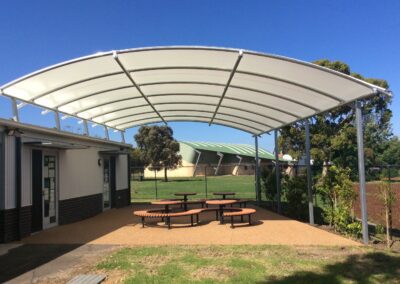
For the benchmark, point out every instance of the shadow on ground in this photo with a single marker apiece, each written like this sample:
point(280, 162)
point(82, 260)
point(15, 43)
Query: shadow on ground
point(30, 256)
point(366, 268)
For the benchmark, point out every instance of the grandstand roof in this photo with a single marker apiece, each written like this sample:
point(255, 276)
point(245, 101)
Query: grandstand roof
point(227, 148)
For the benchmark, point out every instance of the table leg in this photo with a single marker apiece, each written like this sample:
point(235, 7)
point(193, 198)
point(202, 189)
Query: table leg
point(221, 212)
point(166, 211)
point(185, 204)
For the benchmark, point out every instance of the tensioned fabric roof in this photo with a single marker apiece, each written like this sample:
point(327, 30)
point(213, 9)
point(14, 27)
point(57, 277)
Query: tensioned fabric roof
point(250, 91)
point(235, 149)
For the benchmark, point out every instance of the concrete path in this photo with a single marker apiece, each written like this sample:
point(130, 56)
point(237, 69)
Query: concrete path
point(120, 227)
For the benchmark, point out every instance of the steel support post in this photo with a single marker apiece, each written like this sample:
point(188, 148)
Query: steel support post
point(361, 171)
point(57, 119)
point(122, 136)
point(15, 110)
point(277, 172)
point(85, 127)
point(309, 179)
point(106, 133)
point(257, 183)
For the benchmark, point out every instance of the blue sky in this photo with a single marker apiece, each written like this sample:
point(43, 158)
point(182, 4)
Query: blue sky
point(364, 34)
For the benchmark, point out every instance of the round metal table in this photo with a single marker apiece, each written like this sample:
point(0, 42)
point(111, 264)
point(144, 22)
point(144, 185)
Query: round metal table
point(166, 203)
point(221, 203)
point(224, 194)
point(185, 197)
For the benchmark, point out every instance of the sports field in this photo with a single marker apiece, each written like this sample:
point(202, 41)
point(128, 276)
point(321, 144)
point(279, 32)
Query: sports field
point(147, 190)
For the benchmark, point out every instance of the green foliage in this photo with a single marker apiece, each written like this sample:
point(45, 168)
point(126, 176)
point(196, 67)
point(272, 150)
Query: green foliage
point(336, 190)
point(294, 191)
point(354, 229)
point(391, 154)
point(268, 182)
point(333, 135)
point(136, 159)
point(379, 229)
point(158, 148)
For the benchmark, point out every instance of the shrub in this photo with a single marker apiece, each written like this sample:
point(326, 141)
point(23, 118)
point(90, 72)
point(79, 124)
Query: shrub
point(294, 190)
point(354, 229)
point(336, 190)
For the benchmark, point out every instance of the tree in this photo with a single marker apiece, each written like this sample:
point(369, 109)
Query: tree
point(391, 154)
point(333, 134)
point(158, 148)
point(388, 197)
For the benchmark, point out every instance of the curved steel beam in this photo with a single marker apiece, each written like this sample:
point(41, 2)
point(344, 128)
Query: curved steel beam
point(201, 111)
point(206, 104)
point(239, 58)
point(199, 95)
point(131, 123)
point(194, 83)
point(192, 68)
point(128, 74)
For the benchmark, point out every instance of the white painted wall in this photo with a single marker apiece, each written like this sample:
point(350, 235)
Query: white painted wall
point(79, 173)
point(121, 169)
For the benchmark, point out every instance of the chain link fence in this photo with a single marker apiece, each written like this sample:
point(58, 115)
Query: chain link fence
point(149, 184)
point(204, 180)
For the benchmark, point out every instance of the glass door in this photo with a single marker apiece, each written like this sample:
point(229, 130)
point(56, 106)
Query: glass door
point(49, 191)
point(106, 183)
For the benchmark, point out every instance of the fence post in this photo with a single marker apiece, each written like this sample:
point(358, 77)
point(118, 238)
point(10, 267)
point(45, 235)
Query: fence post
point(205, 180)
point(278, 173)
point(155, 181)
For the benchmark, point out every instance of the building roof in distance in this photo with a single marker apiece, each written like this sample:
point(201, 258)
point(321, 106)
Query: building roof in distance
point(234, 149)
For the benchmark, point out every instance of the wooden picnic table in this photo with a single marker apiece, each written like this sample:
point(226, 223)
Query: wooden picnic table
point(166, 203)
point(221, 203)
point(185, 197)
point(224, 194)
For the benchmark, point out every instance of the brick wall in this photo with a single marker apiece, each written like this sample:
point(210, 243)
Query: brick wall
point(76, 209)
point(375, 207)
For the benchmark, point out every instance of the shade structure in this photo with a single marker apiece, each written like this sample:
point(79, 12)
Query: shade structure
point(250, 91)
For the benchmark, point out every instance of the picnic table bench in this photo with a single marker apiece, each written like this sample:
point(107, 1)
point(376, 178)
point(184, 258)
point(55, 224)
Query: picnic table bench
point(240, 212)
point(159, 213)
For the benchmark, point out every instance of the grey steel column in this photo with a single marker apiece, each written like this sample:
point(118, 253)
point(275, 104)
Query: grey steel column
point(277, 172)
point(15, 110)
point(258, 189)
point(57, 119)
point(309, 180)
point(107, 135)
point(85, 127)
point(361, 171)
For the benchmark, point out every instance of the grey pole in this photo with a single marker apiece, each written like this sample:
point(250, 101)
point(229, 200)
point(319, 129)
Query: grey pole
point(106, 134)
point(309, 181)
point(57, 119)
point(85, 127)
point(258, 191)
point(15, 110)
point(361, 171)
point(277, 172)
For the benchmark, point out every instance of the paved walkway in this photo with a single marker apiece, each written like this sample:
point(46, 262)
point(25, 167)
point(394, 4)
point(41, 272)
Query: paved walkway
point(120, 227)
point(58, 254)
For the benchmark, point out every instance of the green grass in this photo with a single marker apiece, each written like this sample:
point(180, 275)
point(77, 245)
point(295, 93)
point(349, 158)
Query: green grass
point(252, 264)
point(145, 190)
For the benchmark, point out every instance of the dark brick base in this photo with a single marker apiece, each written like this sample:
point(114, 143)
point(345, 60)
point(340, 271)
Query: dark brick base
point(9, 224)
point(76, 209)
point(123, 198)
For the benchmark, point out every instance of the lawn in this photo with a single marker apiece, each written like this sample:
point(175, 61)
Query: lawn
point(145, 190)
point(250, 264)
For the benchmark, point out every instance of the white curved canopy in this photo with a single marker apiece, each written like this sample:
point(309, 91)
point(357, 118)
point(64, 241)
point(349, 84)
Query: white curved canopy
point(250, 91)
